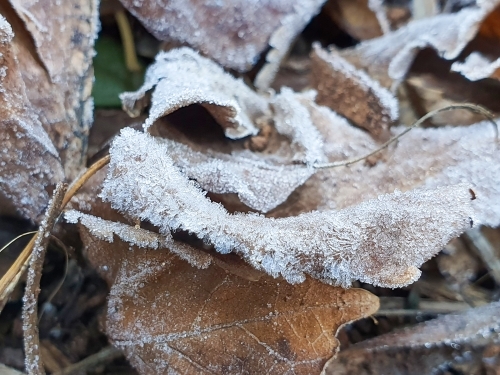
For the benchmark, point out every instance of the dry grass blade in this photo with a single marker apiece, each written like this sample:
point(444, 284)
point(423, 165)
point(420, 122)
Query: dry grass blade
point(106, 355)
point(471, 107)
point(30, 312)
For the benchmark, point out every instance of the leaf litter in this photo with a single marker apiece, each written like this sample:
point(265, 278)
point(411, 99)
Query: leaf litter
point(357, 222)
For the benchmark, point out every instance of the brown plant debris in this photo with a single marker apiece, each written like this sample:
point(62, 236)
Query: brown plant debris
point(424, 348)
point(53, 45)
point(337, 250)
point(29, 164)
point(210, 321)
point(233, 33)
point(352, 93)
point(388, 58)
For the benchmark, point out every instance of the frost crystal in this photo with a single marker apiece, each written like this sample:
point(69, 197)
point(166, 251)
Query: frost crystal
point(381, 241)
point(181, 77)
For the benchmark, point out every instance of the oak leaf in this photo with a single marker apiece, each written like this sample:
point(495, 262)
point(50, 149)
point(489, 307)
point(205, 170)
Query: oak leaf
point(169, 316)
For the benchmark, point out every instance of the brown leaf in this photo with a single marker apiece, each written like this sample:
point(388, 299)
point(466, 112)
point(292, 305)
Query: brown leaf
point(169, 316)
point(53, 44)
point(356, 18)
point(29, 164)
point(388, 58)
point(477, 66)
point(424, 348)
point(233, 33)
point(352, 93)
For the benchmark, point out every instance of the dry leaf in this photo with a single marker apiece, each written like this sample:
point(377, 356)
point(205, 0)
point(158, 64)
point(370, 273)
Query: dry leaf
point(352, 93)
point(29, 164)
point(57, 76)
point(477, 66)
point(358, 18)
point(182, 77)
point(336, 247)
point(389, 57)
point(233, 33)
point(425, 348)
point(169, 316)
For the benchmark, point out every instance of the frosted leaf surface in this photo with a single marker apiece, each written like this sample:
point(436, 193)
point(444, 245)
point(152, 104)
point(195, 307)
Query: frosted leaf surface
point(352, 93)
point(182, 77)
point(105, 230)
point(292, 119)
point(169, 317)
point(232, 32)
point(56, 68)
point(389, 57)
point(424, 348)
point(426, 158)
point(260, 182)
point(477, 66)
point(403, 230)
point(29, 163)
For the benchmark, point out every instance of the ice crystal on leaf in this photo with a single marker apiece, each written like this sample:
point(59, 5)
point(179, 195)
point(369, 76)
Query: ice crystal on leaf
point(381, 241)
point(182, 77)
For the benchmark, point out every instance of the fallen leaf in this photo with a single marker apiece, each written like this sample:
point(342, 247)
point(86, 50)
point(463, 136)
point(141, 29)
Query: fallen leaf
point(29, 164)
point(425, 348)
point(352, 93)
point(232, 33)
point(169, 316)
point(477, 66)
point(182, 77)
point(332, 246)
point(388, 58)
point(57, 76)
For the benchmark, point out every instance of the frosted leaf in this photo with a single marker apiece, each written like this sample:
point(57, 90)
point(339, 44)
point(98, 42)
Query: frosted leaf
point(352, 93)
point(292, 119)
point(424, 348)
point(58, 75)
point(181, 77)
point(402, 229)
point(260, 182)
point(426, 158)
point(169, 317)
point(232, 32)
point(105, 230)
point(389, 57)
point(29, 163)
point(477, 66)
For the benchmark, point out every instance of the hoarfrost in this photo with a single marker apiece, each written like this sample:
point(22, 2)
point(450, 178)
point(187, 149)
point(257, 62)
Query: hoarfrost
point(476, 67)
point(182, 77)
point(381, 241)
point(105, 229)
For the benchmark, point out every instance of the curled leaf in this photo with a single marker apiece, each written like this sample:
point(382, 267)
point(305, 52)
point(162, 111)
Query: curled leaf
point(352, 93)
point(170, 317)
point(403, 230)
point(477, 66)
point(182, 77)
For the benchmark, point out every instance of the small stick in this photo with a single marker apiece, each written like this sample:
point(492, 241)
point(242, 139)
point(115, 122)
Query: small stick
point(471, 107)
point(128, 41)
point(33, 361)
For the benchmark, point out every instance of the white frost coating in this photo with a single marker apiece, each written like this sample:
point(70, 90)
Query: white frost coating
point(292, 119)
point(476, 67)
point(182, 77)
point(105, 229)
point(448, 34)
point(260, 183)
point(282, 39)
point(381, 241)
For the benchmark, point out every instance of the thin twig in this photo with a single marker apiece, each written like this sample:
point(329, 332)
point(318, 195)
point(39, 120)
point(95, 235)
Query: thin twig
point(106, 355)
point(471, 107)
point(33, 361)
point(13, 274)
